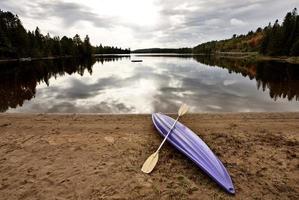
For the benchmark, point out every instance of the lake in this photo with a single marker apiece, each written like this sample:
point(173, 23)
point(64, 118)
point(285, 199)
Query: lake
point(114, 84)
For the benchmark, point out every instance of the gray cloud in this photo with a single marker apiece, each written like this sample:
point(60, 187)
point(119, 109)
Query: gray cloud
point(214, 19)
point(70, 13)
point(180, 23)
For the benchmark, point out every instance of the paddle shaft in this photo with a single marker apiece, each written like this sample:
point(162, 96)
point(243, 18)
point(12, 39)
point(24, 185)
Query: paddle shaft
point(168, 133)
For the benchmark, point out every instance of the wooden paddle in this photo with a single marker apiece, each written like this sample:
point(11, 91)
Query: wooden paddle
point(152, 160)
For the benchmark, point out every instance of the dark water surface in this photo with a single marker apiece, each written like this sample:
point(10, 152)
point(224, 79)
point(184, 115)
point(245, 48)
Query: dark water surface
point(159, 83)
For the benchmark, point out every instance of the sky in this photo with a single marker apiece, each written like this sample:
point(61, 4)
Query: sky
point(148, 23)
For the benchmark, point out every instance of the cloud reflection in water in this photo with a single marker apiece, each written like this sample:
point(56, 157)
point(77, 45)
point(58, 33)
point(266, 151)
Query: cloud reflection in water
point(156, 84)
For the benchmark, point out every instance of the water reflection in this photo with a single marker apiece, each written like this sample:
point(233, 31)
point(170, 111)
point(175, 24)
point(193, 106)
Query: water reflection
point(18, 81)
point(282, 79)
point(109, 84)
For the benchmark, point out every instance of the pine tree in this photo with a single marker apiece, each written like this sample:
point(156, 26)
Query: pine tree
point(289, 28)
point(275, 40)
point(87, 46)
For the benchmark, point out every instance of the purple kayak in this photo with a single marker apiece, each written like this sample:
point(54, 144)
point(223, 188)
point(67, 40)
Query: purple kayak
point(194, 148)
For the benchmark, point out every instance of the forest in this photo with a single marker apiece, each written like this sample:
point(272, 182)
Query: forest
point(17, 42)
point(272, 40)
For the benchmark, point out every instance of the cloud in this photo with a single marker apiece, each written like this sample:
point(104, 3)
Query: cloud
point(70, 13)
point(237, 22)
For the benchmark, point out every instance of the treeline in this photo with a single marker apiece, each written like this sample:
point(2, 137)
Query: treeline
point(282, 39)
point(163, 50)
point(16, 42)
point(250, 42)
point(273, 40)
point(110, 50)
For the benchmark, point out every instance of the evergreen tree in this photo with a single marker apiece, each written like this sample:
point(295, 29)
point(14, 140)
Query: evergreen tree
point(78, 44)
point(289, 28)
point(275, 40)
point(87, 46)
point(67, 46)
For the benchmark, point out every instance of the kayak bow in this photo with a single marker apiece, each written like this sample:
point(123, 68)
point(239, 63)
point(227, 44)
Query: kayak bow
point(195, 149)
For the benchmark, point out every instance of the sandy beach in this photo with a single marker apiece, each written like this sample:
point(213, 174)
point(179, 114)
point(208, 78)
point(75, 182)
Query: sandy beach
point(75, 156)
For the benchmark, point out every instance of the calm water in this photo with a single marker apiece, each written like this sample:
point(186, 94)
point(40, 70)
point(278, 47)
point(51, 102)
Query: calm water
point(159, 83)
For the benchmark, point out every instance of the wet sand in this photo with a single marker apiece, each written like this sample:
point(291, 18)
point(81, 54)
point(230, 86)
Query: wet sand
point(99, 157)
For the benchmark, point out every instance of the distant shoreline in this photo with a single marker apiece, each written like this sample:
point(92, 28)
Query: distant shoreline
point(256, 56)
point(28, 59)
point(232, 55)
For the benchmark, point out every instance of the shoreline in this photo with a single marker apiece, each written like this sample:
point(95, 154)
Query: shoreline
point(254, 56)
point(98, 156)
point(29, 59)
point(231, 55)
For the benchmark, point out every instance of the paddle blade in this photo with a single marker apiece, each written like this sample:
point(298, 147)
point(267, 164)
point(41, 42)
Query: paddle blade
point(183, 109)
point(150, 163)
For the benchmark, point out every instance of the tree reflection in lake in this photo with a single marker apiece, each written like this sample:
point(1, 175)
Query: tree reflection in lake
point(282, 79)
point(115, 85)
point(18, 80)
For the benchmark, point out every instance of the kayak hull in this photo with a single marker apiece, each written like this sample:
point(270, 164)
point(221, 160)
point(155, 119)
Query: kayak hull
point(187, 142)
